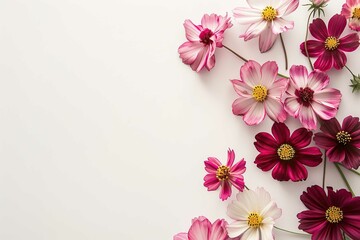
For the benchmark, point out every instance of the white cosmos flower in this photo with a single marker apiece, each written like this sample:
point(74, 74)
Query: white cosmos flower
point(254, 213)
point(266, 20)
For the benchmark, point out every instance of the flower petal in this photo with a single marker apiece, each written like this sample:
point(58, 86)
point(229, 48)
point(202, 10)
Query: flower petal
point(318, 29)
point(231, 158)
point(307, 118)
point(281, 172)
point(292, 106)
point(318, 80)
point(281, 132)
point(211, 182)
point(337, 24)
point(242, 105)
point(309, 156)
point(267, 39)
point(181, 236)
point(339, 59)
point(225, 191)
point(330, 97)
point(287, 7)
point(269, 72)
point(258, 4)
point(192, 31)
point(324, 61)
point(349, 43)
point(300, 138)
point(218, 231)
point(280, 25)
point(247, 15)
point(336, 154)
point(255, 115)
point(242, 88)
point(275, 110)
point(298, 76)
point(254, 30)
point(250, 73)
point(314, 47)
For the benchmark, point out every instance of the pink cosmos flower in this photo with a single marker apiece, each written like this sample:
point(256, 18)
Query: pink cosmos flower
point(330, 215)
point(308, 97)
point(199, 50)
point(286, 154)
point(259, 93)
point(202, 229)
point(224, 175)
point(328, 47)
point(266, 20)
point(351, 10)
point(342, 143)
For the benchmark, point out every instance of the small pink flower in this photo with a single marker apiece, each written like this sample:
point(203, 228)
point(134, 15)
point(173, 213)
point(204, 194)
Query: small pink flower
point(199, 50)
point(202, 229)
point(224, 175)
point(329, 46)
point(259, 93)
point(308, 97)
point(351, 10)
point(266, 20)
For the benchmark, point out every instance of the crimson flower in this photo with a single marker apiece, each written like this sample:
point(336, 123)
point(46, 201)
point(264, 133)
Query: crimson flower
point(329, 215)
point(328, 47)
point(199, 50)
point(224, 175)
point(286, 154)
point(341, 143)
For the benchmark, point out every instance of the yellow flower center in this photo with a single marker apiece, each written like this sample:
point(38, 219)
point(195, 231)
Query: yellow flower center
point(222, 173)
point(343, 137)
point(331, 43)
point(269, 13)
point(254, 220)
point(259, 93)
point(334, 214)
point(286, 152)
point(356, 13)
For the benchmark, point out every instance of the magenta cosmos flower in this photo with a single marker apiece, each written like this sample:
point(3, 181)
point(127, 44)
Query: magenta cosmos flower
point(224, 175)
point(308, 97)
point(260, 93)
point(329, 215)
point(202, 229)
point(351, 10)
point(286, 153)
point(341, 143)
point(199, 50)
point(328, 47)
point(266, 20)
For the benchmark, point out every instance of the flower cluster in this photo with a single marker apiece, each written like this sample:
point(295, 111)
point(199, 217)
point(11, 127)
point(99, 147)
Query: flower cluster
point(304, 95)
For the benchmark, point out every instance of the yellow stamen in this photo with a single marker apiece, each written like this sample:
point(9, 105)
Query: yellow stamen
point(331, 43)
point(356, 13)
point(222, 173)
point(269, 13)
point(259, 93)
point(286, 152)
point(343, 137)
point(254, 220)
point(334, 214)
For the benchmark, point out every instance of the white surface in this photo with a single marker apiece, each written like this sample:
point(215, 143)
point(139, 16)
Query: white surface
point(103, 131)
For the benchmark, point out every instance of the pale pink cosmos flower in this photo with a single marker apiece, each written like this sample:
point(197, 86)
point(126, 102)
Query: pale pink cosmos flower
point(202, 229)
point(199, 50)
point(260, 93)
point(266, 20)
point(309, 97)
point(351, 10)
point(224, 175)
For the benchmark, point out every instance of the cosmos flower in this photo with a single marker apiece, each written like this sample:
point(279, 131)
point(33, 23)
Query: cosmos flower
point(329, 215)
point(202, 229)
point(286, 154)
point(266, 20)
point(351, 11)
point(254, 213)
point(199, 50)
point(308, 97)
point(224, 175)
point(260, 93)
point(342, 143)
point(329, 47)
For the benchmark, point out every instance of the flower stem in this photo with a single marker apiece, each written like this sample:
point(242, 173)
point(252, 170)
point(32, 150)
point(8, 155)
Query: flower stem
point(350, 71)
point(284, 49)
point(245, 60)
point(246, 187)
point(306, 37)
point(351, 170)
point(344, 178)
point(324, 172)
point(284, 230)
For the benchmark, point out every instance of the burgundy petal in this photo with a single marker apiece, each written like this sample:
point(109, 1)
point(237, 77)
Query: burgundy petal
point(331, 127)
point(349, 43)
point(281, 132)
point(318, 29)
point(266, 161)
point(324, 61)
point(300, 138)
point(336, 154)
point(336, 25)
point(339, 58)
point(350, 124)
point(297, 172)
point(352, 157)
point(324, 141)
point(315, 198)
point(280, 172)
point(265, 142)
point(309, 156)
point(315, 48)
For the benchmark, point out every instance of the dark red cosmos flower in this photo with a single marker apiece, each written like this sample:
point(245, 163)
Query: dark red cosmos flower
point(329, 48)
point(341, 143)
point(329, 215)
point(286, 154)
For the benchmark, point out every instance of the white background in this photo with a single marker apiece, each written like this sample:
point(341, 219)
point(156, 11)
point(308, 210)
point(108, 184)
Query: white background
point(103, 130)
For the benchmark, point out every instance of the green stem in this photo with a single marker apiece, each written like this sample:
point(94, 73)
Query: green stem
point(245, 60)
point(349, 70)
point(284, 230)
point(344, 179)
point(324, 171)
point(351, 170)
point(306, 37)
point(284, 49)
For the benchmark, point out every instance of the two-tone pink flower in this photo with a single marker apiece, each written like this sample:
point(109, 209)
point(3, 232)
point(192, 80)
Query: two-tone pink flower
point(260, 93)
point(224, 176)
point(308, 97)
point(266, 20)
point(351, 11)
point(199, 50)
